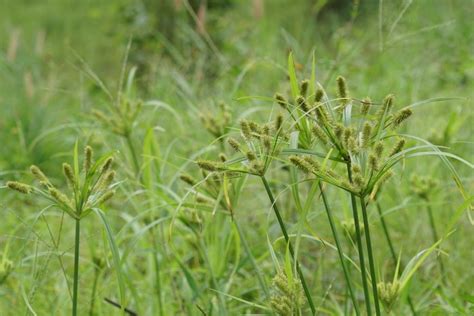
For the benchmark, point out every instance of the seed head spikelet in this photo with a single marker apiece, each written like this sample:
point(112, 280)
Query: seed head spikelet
point(304, 87)
point(281, 100)
point(234, 144)
point(186, 178)
point(88, 155)
point(397, 147)
point(401, 116)
point(69, 174)
point(39, 175)
point(18, 186)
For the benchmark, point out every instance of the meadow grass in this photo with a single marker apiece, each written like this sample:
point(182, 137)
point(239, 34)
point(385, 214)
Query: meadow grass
point(228, 198)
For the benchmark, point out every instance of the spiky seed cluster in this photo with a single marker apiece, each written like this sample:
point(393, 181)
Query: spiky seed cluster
point(388, 293)
point(280, 99)
point(217, 125)
point(121, 119)
point(423, 186)
point(304, 87)
point(88, 156)
point(188, 179)
point(89, 189)
point(20, 187)
point(397, 147)
point(401, 116)
point(318, 95)
point(288, 295)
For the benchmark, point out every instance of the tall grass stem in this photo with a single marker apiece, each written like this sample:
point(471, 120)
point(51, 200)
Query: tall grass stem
point(373, 277)
point(339, 249)
point(287, 239)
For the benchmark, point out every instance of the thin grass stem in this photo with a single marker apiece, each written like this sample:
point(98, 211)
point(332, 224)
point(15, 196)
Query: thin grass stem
point(290, 246)
point(339, 250)
point(76, 268)
point(373, 277)
point(392, 250)
point(434, 233)
point(360, 248)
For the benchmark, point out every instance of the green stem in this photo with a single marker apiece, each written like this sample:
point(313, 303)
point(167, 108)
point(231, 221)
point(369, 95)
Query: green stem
point(392, 250)
point(94, 290)
point(263, 285)
point(360, 248)
point(434, 233)
point(290, 246)
point(128, 138)
point(371, 257)
point(76, 267)
point(339, 249)
point(156, 263)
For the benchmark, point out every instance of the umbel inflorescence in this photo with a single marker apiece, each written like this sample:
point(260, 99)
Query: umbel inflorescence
point(89, 187)
point(361, 137)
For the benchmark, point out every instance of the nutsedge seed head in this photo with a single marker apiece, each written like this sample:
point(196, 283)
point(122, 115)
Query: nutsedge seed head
point(234, 144)
point(88, 154)
point(398, 147)
point(373, 162)
point(318, 95)
point(338, 130)
point(314, 164)
point(207, 165)
point(388, 293)
point(186, 178)
point(301, 164)
point(401, 116)
point(278, 122)
point(250, 155)
point(378, 149)
point(245, 129)
point(222, 157)
point(105, 197)
point(106, 180)
point(18, 186)
point(281, 100)
point(342, 87)
point(60, 197)
point(304, 87)
point(39, 175)
point(319, 133)
point(356, 169)
point(267, 142)
point(388, 103)
point(69, 174)
point(107, 165)
point(366, 132)
point(300, 100)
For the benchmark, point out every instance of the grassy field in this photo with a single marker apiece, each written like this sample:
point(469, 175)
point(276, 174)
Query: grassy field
point(241, 157)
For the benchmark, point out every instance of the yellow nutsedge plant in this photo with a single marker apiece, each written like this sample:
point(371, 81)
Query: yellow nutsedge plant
point(89, 186)
point(365, 141)
point(259, 144)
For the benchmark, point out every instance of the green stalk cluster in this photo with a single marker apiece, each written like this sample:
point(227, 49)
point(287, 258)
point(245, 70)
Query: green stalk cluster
point(89, 188)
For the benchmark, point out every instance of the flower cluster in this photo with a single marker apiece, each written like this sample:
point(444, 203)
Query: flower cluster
point(88, 189)
point(288, 296)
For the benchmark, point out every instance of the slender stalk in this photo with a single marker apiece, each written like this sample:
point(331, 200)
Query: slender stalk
point(156, 263)
point(136, 164)
point(290, 246)
point(263, 285)
point(392, 250)
point(434, 233)
point(94, 290)
point(339, 249)
point(371, 257)
point(360, 248)
point(76, 267)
